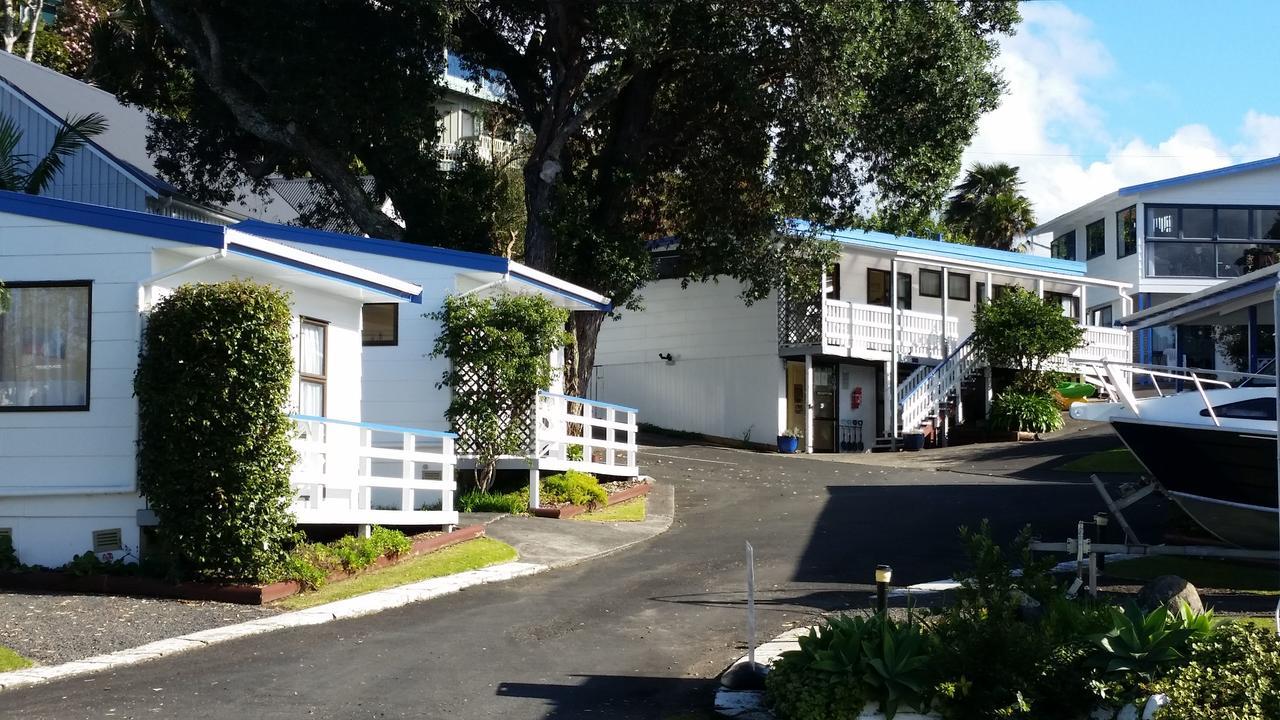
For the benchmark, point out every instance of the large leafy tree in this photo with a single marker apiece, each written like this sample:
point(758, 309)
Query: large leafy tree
point(988, 206)
point(713, 123)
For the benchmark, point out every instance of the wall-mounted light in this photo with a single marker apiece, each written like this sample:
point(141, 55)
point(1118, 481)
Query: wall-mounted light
point(671, 359)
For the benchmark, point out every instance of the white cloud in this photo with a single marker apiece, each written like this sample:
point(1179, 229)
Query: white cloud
point(1046, 120)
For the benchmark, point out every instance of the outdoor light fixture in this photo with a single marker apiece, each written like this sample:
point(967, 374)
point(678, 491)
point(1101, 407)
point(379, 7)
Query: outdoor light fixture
point(884, 574)
point(668, 357)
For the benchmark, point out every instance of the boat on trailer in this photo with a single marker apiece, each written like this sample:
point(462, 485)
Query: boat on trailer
point(1210, 448)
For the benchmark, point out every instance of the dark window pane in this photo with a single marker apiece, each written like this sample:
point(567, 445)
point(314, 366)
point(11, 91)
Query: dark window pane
point(1233, 223)
point(1241, 258)
point(1197, 222)
point(958, 286)
point(904, 291)
point(1095, 240)
point(1162, 222)
point(1173, 259)
point(1267, 224)
point(877, 287)
point(379, 324)
point(1127, 232)
point(930, 283)
point(1063, 247)
point(44, 347)
point(1255, 409)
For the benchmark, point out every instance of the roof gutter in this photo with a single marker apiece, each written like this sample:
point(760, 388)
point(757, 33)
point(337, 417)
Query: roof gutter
point(506, 278)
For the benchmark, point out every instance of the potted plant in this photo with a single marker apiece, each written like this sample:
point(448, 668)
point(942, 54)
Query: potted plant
point(913, 440)
point(789, 441)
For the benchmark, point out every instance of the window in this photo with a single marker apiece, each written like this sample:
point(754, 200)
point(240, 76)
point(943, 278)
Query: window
point(832, 290)
point(958, 286)
point(44, 346)
point(1063, 247)
point(1101, 316)
point(930, 283)
point(878, 288)
point(1203, 241)
point(1095, 240)
point(1070, 304)
point(1162, 222)
point(666, 264)
point(312, 366)
point(1255, 409)
point(380, 324)
point(982, 292)
point(1127, 232)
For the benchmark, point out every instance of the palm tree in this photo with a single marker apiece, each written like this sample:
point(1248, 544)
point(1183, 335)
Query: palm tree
point(19, 174)
point(988, 206)
point(17, 171)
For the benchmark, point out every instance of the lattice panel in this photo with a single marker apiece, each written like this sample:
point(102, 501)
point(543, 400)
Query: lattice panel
point(519, 414)
point(799, 321)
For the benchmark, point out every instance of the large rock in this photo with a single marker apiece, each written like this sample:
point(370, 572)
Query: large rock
point(1170, 591)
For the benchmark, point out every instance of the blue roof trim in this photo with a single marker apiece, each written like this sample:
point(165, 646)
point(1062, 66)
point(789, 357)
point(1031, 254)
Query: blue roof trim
point(190, 232)
point(1006, 258)
point(1266, 284)
point(546, 287)
point(406, 251)
point(326, 273)
point(389, 248)
point(1195, 177)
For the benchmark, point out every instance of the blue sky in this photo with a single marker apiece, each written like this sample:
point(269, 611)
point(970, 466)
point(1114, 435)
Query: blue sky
point(1105, 93)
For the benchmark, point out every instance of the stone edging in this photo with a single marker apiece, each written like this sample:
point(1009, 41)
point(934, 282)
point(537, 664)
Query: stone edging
point(567, 511)
point(242, 594)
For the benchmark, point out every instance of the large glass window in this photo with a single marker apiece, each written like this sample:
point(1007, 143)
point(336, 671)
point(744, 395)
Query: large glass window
point(1095, 240)
point(958, 286)
point(1063, 247)
point(1070, 304)
point(1211, 241)
point(1127, 232)
point(878, 288)
point(44, 347)
point(1102, 316)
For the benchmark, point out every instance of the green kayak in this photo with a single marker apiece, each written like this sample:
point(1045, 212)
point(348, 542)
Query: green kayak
point(1076, 390)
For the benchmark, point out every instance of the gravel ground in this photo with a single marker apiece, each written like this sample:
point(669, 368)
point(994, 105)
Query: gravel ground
point(52, 629)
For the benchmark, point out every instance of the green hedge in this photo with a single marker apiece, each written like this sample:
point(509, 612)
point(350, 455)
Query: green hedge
point(574, 487)
point(1029, 412)
point(214, 454)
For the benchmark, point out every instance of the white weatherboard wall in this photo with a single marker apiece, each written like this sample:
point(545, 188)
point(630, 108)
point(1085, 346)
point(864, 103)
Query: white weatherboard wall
point(66, 474)
point(726, 374)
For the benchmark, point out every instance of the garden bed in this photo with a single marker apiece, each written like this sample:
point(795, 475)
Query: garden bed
point(245, 594)
point(618, 492)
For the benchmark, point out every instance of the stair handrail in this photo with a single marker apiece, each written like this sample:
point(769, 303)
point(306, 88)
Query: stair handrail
point(933, 387)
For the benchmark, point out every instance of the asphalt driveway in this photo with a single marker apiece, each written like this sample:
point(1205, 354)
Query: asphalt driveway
point(640, 634)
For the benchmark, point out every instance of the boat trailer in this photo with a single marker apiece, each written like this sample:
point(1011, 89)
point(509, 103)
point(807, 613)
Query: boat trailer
point(1087, 550)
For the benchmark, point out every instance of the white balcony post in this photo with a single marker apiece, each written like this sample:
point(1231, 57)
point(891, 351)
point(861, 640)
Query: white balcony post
point(1040, 288)
point(808, 403)
point(1084, 311)
point(893, 353)
point(946, 343)
point(410, 446)
point(988, 289)
point(446, 475)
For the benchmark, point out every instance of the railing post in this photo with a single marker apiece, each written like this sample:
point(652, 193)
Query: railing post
point(409, 446)
point(535, 501)
point(446, 475)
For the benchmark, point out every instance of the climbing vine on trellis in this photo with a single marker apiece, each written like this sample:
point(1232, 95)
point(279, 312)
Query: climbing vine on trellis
point(499, 350)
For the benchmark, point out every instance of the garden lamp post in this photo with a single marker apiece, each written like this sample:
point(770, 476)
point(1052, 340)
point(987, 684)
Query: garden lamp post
point(884, 574)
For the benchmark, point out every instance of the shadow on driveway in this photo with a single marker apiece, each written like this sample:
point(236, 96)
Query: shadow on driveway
point(620, 696)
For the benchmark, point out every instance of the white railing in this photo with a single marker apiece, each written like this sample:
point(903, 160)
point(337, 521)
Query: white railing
point(574, 433)
point(1099, 345)
point(858, 328)
point(487, 148)
point(353, 473)
point(931, 391)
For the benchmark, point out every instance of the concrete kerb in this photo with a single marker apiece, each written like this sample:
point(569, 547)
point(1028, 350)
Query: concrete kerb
point(659, 521)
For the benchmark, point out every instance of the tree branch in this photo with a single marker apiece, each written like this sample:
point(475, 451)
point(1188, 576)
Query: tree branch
point(330, 166)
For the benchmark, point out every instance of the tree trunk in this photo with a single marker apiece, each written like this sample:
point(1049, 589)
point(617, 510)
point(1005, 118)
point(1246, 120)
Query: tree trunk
point(580, 359)
point(35, 27)
point(540, 178)
point(12, 24)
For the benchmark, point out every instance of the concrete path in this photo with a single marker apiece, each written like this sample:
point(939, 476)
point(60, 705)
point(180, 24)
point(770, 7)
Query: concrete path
point(637, 634)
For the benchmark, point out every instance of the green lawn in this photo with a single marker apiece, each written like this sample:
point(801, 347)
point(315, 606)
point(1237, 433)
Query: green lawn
point(470, 555)
point(1267, 621)
point(1201, 572)
point(1119, 460)
point(629, 511)
point(10, 660)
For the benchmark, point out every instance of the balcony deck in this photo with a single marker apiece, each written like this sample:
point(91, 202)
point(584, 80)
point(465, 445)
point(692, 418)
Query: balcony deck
point(855, 330)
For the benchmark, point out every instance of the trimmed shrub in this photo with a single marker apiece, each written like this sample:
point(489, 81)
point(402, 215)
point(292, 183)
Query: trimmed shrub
point(310, 564)
point(513, 503)
point(1233, 673)
point(214, 454)
point(1028, 412)
point(574, 487)
point(8, 556)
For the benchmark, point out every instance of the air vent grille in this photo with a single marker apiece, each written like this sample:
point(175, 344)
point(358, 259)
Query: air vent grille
point(106, 540)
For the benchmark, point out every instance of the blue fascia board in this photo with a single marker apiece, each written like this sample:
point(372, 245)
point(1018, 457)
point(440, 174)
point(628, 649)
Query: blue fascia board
point(1195, 177)
point(1006, 258)
point(545, 287)
point(326, 273)
point(375, 246)
point(191, 232)
point(1264, 285)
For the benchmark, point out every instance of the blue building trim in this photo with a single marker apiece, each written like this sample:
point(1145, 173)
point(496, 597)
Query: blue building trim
point(326, 273)
point(547, 287)
point(1195, 177)
point(1005, 258)
point(1261, 284)
point(190, 232)
point(375, 246)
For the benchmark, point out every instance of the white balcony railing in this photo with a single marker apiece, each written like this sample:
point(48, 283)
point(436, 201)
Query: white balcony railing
point(857, 328)
point(353, 473)
point(575, 433)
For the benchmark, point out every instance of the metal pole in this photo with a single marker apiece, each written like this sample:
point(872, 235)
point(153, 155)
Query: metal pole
point(893, 353)
point(751, 606)
point(884, 574)
point(808, 403)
